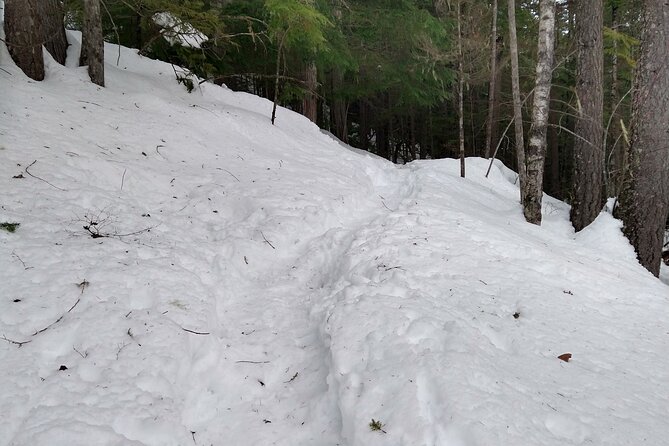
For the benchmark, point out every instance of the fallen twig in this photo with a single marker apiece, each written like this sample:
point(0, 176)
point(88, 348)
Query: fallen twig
point(231, 174)
point(202, 333)
point(267, 241)
point(59, 319)
point(38, 178)
point(11, 341)
point(21, 260)
point(252, 362)
point(123, 178)
point(83, 355)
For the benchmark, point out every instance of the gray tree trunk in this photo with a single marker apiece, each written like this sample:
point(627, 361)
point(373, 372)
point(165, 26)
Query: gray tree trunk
point(461, 86)
point(536, 149)
point(92, 43)
point(310, 101)
point(589, 148)
point(644, 200)
point(517, 103)
point(24, 36)
point(53, 29)
point(492, 87)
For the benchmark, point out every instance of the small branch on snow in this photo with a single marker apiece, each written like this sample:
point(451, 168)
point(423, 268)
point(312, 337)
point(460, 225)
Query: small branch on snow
point(83, 355)
point(201, 333)
point(267, 241)
point(123, 178)
point(292, 379)
point(252, 362)
point(92, 103)
point(59, 319)
point(14, 254)
point(38, 178)
point(231, 174)
point(11, 341)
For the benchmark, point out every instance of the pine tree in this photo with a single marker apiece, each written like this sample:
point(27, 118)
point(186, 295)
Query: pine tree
point(644, 201)
point(587, 199)
point(92, 43)
point(24, 36)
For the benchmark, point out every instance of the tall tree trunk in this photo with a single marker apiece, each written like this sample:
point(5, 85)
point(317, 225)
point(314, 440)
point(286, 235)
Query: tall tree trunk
point(310, 101)
point(588, 145)
point(517, 103)
point(53, 29)
point(339, 107)
point(24, 36)
point(536, 149)
point(92, 43)
point(492, 87)
point(616, 149)
point(644, 201)
point(461, 85)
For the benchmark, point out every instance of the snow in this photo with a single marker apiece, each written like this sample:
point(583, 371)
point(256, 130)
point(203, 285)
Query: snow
point(265, 285)
point(179, 32)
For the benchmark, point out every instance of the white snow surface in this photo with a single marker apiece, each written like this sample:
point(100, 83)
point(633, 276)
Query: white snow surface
point(178, 32)
point(266, 285)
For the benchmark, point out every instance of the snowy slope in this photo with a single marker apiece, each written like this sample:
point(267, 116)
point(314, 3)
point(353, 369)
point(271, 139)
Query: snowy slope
point(262, 285)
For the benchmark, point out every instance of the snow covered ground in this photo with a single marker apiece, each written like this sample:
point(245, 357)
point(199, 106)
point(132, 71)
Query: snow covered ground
point(260, 285)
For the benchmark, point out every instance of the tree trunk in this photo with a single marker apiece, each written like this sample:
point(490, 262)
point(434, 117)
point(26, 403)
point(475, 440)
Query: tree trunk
point(588, 145)
point(310, 101)
point(339, 109)
point(53, 29)
point(461, 85)
point(92, 43)
point(536, 149)
point(517, 103)
point(644, 200)
point(492, 87)
point(616, 149)
point(24, 36)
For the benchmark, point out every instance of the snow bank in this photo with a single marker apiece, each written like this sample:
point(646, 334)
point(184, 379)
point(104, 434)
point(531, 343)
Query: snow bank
point(254, 284)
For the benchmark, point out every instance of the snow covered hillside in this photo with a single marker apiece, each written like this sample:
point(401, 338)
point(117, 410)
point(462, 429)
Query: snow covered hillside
point(244, 284)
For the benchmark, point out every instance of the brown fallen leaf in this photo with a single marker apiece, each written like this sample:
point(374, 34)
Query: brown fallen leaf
point(565, 357)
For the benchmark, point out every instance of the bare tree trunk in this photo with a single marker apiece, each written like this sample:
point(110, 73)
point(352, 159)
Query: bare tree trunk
point(517, 103)
point(24, 36)
point(310, 101)
point(92, 43)
point(492, 88)
point(53, 29)
point(339, 109)
point(588, 145)
point(536, 149)
point(461, 84)
point(644, 200)
point(616, 150)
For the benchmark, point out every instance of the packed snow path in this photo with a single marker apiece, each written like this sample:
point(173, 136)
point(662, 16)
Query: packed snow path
point(261, 285)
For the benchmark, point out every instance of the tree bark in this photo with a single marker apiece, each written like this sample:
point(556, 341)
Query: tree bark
point(24, 36)
point(644, 200)
point(587, 199)
point(517, 103)
point(492, 87)
point(92, 43)
point(310, 101)
point(461, 86)
point(536, 150)
point(53, 29)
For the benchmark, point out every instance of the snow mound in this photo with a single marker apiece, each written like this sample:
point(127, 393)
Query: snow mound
point(186, 273)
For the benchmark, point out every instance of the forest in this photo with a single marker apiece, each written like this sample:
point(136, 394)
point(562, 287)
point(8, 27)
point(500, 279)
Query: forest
point(574, 114)
point(334, 222)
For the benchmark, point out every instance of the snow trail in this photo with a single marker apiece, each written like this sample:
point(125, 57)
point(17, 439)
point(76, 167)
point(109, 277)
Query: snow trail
point(263, 284)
